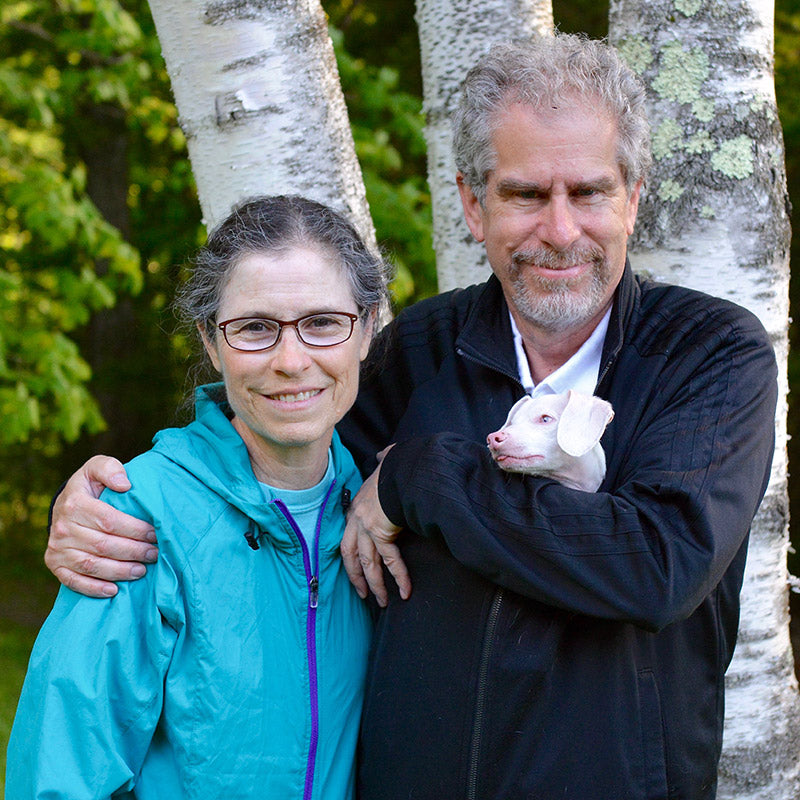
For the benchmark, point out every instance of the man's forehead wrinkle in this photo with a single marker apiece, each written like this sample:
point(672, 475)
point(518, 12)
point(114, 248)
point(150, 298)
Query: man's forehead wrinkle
point(512, 185)
point(509, 185)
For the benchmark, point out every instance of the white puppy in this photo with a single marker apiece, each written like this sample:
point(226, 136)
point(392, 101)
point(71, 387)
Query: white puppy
point(557, 436)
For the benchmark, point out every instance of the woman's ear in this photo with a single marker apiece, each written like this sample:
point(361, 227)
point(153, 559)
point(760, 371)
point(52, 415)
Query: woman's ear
point(210, 347)
point(368, 324)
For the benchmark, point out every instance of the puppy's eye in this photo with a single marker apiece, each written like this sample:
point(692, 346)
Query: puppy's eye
point(546, 418)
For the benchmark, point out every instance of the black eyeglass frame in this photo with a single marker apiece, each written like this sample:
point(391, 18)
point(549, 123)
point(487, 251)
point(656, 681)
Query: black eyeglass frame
point(292, 323)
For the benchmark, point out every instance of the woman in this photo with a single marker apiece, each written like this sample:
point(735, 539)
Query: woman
point(235, 668)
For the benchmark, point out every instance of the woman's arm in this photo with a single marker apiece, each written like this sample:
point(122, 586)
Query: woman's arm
point(93, 693)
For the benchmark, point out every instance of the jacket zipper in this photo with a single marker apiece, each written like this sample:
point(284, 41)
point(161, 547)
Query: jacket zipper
point(480, 699)
point(488, 638)
point(497, 601)
point(311, 567)
point(483, 363)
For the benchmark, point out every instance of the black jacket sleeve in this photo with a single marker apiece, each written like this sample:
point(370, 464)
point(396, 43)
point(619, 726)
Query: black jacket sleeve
point(688, 464)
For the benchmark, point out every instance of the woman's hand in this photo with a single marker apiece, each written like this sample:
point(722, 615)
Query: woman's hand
point(92, 544)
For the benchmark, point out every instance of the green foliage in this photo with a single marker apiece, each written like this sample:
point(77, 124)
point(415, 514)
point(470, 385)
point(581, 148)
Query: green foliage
point(16, 642)
point(90, 153)
point(61, 259)
point(26, 595)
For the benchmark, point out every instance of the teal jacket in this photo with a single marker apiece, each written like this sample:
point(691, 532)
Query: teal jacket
point(227, 671)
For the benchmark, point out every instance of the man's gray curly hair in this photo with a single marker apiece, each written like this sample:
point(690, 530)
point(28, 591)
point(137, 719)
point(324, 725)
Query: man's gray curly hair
point(545, 72)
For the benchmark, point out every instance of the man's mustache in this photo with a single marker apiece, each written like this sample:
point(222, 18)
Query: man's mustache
point(557, 259)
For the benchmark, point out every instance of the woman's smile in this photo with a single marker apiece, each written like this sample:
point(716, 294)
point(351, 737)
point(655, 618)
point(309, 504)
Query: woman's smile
point(295, 397)
point(286, 399)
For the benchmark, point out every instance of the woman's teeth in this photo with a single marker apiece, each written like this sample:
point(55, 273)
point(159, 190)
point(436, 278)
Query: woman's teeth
point(295, 398)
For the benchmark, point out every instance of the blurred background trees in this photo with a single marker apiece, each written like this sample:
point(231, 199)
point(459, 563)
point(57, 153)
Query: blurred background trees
point(99, 216)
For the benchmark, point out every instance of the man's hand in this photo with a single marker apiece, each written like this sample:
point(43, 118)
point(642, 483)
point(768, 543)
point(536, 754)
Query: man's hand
point(368, 543)
point(92, 543)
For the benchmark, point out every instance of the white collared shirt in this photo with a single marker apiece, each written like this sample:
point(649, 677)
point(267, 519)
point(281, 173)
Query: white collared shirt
point(579, 372)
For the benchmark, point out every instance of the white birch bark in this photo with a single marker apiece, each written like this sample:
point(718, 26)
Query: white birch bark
point(453, 34)
point(259, 99)
point(714, 217)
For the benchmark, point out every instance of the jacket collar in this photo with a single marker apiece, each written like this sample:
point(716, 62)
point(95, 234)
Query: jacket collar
point(626, 306)
point(486, 336)
point(211, 450)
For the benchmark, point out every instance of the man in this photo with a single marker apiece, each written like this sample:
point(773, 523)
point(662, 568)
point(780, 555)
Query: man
point(557, 643)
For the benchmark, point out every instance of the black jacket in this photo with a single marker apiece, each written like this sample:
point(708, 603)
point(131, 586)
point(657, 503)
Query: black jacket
point(562, 644)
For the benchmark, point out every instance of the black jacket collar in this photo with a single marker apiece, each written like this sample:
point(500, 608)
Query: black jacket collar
point(487, 338)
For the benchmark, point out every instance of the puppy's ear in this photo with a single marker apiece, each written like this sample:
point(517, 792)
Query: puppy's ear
point(582, 423)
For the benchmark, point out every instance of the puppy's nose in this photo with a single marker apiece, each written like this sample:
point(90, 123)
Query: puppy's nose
point(496, 438)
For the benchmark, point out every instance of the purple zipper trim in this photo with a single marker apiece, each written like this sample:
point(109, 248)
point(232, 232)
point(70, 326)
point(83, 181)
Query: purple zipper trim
point(312, 579)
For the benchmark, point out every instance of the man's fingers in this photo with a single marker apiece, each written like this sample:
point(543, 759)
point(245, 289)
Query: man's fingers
point(372, 567)
point(106, 568)
point(89, 547)
point(82, 517)
point(85, 585)
point(390, 554)
point(101, 471)
point(352, 563)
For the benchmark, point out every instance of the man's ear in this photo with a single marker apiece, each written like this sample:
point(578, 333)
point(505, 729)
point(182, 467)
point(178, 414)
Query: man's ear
point(209, 346)
point(633, 206)
point(473, 210)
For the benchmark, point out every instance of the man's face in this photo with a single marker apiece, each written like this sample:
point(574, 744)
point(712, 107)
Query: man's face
point(557, 215)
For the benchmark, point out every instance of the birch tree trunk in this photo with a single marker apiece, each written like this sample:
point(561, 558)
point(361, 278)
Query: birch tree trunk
point(453, 34)
point(260, 102)
point(714, 217)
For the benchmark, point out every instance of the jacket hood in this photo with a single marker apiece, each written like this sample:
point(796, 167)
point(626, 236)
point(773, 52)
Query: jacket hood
point(211, 450)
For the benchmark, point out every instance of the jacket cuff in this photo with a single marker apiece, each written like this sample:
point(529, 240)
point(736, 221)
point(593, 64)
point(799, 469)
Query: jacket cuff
point(397, 469)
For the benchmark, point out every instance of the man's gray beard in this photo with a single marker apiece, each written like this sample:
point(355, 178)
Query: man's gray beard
point(555, 305)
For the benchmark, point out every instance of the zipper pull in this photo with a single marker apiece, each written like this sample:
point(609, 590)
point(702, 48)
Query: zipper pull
point(313, 591)
point(252, 535)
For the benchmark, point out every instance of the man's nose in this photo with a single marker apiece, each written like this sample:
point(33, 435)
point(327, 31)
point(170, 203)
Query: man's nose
point(558, 225)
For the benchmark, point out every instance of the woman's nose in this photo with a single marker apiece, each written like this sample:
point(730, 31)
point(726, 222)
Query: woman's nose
point(290, 354)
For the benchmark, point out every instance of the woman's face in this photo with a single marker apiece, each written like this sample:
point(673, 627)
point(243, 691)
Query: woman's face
point(287, 399)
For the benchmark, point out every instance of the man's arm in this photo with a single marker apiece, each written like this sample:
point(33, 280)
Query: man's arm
point(369, 542)
point(688, 461)
point(685, 481)
point(91, 543)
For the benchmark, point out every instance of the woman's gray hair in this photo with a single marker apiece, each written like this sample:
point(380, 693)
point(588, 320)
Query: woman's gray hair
point(274, 225)
point(544, 72)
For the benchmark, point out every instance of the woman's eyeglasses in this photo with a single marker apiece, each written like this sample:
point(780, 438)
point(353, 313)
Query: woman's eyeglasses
point(252, 334)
